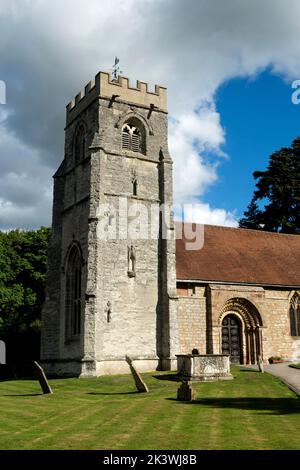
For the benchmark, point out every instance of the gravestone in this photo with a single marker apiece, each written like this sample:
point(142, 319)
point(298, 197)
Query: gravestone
point(186, 392)
point(139, 383)
point(260, 364)
point(42, 378)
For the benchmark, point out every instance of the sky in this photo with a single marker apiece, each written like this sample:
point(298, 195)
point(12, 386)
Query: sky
point(228, 67)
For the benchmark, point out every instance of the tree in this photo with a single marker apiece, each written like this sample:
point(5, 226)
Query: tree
point(252, 217)
point(279, 186)
point(23, 261)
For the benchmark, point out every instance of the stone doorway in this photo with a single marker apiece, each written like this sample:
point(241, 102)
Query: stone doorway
point(232, 339)
point(241, 331)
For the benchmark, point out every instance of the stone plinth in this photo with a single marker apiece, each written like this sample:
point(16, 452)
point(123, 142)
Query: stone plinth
point(186, 392)
point(203, 367)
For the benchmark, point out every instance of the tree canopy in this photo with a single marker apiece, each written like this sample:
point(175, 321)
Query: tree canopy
point(23, 261)
point(279, 187)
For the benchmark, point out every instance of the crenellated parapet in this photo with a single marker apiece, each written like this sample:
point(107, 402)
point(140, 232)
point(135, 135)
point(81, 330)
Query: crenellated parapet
point(117, 90)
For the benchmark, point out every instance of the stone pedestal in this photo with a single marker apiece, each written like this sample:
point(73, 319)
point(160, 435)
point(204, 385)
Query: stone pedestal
point(185, 392)
point(203, 367)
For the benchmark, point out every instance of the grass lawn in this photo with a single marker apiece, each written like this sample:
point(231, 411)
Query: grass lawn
point(253, 411)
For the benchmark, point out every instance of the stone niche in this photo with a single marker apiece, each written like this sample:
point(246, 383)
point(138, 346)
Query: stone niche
point(203, 367)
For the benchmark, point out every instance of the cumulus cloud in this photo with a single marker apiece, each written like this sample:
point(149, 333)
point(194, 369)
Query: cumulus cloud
point(50, 50)
point(190, 136)
point(203, 213)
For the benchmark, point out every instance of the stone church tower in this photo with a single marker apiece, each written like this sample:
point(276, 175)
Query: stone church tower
point(111, 293)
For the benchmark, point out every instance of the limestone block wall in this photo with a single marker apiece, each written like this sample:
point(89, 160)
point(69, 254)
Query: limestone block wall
point(134, 302)
point(273, 307)
point(191, 314)
point(122, 312)
point(277, 338)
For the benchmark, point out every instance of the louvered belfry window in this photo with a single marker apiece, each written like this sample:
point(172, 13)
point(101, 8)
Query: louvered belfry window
point(132, 138)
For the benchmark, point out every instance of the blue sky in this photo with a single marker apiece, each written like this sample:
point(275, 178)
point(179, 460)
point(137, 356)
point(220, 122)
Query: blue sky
point(258, 117)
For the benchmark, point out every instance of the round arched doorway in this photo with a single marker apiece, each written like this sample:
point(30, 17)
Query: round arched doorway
point(232, 338)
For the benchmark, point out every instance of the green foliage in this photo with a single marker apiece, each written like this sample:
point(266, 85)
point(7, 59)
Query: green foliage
point(279, 185)
point(23, 259)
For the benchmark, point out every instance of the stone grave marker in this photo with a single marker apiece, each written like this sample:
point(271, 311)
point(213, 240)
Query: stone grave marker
point(139, 383)
point(186, 392)
point(42, 378)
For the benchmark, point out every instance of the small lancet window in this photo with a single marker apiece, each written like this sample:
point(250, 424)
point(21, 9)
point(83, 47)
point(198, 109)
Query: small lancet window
point(295, 316)
point(108, 312)
point(134, 184)
point(79, 144)
point(132, 138)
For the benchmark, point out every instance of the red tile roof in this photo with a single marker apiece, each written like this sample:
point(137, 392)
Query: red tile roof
point(241, 256)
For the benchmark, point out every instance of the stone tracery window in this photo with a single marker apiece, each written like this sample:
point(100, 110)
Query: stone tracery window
point(295, 315)
point(79, 144)
point(73, 293)
point(133, 137)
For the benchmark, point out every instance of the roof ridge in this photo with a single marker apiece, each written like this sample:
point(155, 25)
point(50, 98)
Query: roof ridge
point(239, 228)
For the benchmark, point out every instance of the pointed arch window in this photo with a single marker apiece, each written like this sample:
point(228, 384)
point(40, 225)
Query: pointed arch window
point(133, 137)
point(73, 293)
point(295, 315)
point(79, 144)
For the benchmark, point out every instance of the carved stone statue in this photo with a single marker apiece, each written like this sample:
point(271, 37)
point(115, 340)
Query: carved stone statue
point(131, 261)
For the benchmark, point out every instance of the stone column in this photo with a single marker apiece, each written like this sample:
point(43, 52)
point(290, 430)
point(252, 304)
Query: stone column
point(248, 345)
point(254, 345)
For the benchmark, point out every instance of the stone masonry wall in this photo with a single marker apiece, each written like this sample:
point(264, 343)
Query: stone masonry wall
point(122, 313)
point(273, 307)
point(191, 312)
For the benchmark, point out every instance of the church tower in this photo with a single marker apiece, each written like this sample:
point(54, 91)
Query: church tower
point(111, 285)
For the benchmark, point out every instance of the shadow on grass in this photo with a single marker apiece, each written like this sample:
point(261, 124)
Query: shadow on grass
point(112, 393)
point(275, 406)
point(171, 377)
point(25, 395)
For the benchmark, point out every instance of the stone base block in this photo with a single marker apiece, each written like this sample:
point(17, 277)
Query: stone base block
point(89, 368)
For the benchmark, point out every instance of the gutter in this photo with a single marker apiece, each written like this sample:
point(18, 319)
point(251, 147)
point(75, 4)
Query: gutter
point(234, 283)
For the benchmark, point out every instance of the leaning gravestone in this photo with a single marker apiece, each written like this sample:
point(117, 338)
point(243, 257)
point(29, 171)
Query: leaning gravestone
point(186, 392)
point(139, 383)
point(42, 378)
point(260, 364)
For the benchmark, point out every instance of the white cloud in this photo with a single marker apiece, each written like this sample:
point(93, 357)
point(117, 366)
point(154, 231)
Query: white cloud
point(189, 136)
point(50, 50)
point(203, 213)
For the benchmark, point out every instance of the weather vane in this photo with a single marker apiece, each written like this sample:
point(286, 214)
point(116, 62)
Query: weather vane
point(116, 69)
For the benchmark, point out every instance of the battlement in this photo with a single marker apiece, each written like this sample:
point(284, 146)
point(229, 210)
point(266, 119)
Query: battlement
point(120, 90)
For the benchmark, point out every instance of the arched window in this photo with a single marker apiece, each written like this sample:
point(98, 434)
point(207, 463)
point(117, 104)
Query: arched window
point(73, 293)
point(134, 187)
point(133, 137)
point(295, 315)
point(79, 144)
